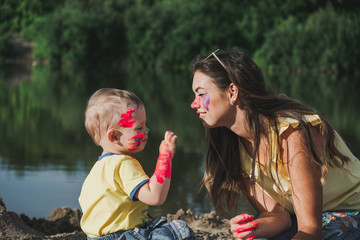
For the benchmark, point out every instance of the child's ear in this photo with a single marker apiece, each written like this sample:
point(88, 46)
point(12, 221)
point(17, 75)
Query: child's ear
point(112, 135)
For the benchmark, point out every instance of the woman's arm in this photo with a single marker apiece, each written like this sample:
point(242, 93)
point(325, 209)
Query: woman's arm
point(272, 220)
point(155, 191)
point(305, 177)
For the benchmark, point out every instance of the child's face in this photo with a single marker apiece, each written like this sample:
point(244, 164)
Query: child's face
point(133, 131)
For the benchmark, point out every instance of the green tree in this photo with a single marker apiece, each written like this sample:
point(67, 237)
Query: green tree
point(16, 15)
point(173, 31)
point(81, 32)
point(326, 42)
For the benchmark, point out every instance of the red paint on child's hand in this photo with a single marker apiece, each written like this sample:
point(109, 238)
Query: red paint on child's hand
point(163, 166)
point(125, 119)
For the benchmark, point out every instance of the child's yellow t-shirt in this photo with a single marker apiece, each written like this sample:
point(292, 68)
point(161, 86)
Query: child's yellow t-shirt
point(107, 196)
point(341, 189)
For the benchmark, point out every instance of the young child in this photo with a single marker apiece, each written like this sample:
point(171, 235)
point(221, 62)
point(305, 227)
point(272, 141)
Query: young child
point(115, 195)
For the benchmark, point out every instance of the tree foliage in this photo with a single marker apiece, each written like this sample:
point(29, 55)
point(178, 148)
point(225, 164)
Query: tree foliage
point(16, 15)
point(171, 32)
point(326, 41)
point(81, 32)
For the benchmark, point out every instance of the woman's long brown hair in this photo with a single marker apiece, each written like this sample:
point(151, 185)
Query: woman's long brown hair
point(224, 174)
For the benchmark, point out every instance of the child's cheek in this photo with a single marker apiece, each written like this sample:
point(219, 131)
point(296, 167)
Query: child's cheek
point(135, 141)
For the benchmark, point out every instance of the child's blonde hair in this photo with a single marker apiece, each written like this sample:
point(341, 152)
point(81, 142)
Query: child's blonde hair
point(104, 110)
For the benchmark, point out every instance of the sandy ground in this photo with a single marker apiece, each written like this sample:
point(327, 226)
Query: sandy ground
point(64, 223)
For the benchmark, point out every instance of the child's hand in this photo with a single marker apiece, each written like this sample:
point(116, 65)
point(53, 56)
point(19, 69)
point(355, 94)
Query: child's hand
point(168, 145)
point(155, 192)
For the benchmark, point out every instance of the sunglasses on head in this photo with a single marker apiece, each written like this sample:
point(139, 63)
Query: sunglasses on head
point(216, 57)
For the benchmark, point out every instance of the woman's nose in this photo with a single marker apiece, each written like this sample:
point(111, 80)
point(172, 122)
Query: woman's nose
point(196, 102)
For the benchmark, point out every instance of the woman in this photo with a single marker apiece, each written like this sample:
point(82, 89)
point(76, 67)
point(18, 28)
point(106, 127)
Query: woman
point(289, 162)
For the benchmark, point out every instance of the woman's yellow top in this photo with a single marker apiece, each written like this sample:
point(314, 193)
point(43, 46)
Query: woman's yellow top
point(340, 189)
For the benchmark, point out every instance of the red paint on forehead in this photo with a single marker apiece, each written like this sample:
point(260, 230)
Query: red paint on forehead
point(125, 119)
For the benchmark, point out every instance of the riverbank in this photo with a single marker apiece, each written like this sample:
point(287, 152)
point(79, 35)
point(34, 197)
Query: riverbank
point(64, 224)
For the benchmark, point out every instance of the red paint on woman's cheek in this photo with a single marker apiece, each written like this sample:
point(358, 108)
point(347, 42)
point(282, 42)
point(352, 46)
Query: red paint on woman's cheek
point(196, 102)
point(125, 119)
point(163, 166)
point(135, 141)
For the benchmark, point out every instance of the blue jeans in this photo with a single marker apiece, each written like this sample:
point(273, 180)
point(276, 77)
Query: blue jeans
point(111, 236)
point(158, 229)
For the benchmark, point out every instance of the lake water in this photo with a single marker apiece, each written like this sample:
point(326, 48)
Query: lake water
point(45, 152)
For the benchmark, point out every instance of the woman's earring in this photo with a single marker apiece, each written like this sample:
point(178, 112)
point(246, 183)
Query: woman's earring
point(232, 102)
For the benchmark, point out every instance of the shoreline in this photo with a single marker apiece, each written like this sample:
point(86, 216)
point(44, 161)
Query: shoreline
point(64, 224)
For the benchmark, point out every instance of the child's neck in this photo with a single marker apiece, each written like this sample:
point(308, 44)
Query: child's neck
point(108, 147)
point(115, 152)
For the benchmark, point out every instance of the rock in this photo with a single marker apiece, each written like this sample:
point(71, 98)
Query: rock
point(63, 223)
point(12, 227)
point(61, 220)
point(208, 226)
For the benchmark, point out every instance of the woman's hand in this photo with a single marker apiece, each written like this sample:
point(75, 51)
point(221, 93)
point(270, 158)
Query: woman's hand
point(271, 221)
point(243, 226)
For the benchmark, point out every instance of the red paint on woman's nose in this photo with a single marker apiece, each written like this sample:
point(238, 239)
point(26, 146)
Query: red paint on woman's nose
point(196, 102)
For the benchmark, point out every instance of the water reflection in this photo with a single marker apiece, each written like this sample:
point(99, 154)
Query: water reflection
point(45, 146)
point(42, 127)
point(41, 118)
